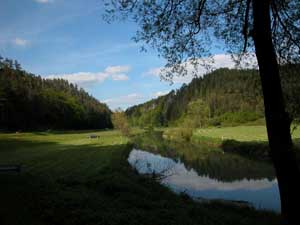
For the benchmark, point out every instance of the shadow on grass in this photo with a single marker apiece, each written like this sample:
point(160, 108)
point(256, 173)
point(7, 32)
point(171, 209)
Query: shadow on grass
point(73, 131)
point(252, 150)
point(47, 132)
point(258, 150)
point(92, 184)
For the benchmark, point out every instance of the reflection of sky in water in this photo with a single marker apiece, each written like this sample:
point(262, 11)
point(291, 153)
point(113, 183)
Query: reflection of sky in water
point(260, 193)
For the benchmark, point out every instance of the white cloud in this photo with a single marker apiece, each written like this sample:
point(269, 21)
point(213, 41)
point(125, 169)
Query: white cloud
point(20, 42)
point(43, 1)
point(219, 61)
point(153, 72)
point(88, 78)
point(125, 100)
point(160, 93)
point(117, 69)
point(119, 77)
point(81, 78)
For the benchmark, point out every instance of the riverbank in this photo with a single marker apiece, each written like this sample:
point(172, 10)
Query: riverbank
point(248, 141)
point(72, 179)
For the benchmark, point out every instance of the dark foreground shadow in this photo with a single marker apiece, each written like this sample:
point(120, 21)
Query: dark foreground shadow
point(92, 184)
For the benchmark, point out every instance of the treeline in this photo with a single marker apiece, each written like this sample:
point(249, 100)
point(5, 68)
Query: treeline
point(30, 102)
point(223, 97)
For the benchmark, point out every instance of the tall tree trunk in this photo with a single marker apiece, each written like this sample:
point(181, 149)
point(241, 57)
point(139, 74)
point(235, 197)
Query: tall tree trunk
point(277, 120)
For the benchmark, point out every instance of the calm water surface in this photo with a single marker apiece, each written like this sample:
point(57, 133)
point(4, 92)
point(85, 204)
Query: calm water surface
point(225, 177)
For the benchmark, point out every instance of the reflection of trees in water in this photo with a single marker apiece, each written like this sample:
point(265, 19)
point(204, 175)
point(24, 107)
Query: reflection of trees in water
point(214, 164)
point(229, 167)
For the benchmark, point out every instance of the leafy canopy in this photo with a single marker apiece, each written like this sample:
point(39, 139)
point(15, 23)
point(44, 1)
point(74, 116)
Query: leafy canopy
point(184, 31)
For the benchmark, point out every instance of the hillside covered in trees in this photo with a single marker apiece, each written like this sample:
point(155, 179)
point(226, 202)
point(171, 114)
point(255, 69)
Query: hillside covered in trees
point(223, 97)
point(31, 102)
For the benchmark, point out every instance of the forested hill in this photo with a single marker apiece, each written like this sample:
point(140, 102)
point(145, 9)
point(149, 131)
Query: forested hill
point(31, 102)
point(223, 97)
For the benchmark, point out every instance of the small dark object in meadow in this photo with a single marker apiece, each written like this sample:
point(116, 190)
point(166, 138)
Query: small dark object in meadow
point(10, 168)
point(94, 136)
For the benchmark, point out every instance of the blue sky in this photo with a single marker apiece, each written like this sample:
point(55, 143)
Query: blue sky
point(69, 39)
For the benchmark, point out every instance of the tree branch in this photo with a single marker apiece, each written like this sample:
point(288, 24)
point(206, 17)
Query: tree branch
point(286, 30)
point(246, 25)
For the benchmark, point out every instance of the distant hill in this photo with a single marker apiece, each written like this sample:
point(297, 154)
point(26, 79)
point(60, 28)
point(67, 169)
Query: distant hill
point(30, 102)
point(223, 97)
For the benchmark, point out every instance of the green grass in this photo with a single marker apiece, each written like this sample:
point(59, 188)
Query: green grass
point(239, 133)
point(249, 141)
point(68, 178)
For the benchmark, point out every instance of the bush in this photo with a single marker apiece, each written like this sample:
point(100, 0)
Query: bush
point(185, 133)
point(120, 122)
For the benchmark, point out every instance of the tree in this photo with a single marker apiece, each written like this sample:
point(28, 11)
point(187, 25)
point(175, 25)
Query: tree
point(28, 102)
point(183, 33)
point(197, 114)
point(120, 122)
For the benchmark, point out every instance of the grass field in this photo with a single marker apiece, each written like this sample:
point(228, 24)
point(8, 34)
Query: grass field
point(68, 178)
point(239, 133)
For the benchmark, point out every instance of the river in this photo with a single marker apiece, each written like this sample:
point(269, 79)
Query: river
point(204, 174)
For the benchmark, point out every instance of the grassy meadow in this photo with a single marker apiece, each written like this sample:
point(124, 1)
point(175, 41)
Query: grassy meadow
point(239, 133)
point(67, 178)
point(249, 141)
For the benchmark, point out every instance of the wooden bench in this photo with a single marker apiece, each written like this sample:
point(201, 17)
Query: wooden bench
point(10, 168)
point(94, 136)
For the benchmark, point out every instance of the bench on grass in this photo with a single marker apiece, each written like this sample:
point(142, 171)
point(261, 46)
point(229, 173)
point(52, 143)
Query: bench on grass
point(10, 168)
point(93, 136)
